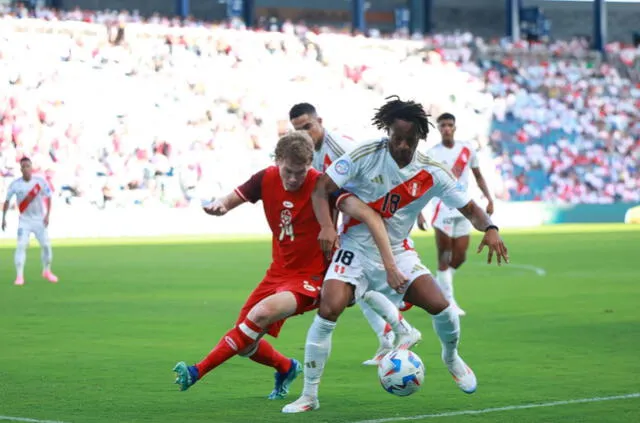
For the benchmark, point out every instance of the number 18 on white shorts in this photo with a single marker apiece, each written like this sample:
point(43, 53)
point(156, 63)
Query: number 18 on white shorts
point(366, 273)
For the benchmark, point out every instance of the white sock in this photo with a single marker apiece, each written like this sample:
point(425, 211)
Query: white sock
point(444, 279)
point(382, 329)
point(447, 326)
point(19, 259)
point(46, 255)
point(316, 353)
point(388, 311)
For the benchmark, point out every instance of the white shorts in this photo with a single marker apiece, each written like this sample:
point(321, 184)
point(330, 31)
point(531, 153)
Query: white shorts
point(350, 265)
point(26, 228)
point(454, 225)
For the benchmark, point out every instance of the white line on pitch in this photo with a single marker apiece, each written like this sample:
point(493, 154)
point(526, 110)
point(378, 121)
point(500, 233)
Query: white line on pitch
point(25, 419)
point(507, 408)
point(538, 270)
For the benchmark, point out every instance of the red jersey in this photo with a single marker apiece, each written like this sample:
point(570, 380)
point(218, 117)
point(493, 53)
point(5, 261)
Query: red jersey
point(295, 247)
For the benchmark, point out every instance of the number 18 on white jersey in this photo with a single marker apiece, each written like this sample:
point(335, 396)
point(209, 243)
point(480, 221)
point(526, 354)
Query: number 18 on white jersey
point(370, 173)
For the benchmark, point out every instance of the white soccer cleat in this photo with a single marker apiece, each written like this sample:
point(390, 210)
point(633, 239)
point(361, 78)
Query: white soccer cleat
point(456, 308)
point(382, 351)
point(386, 345)
point(462, 375)
point(302, 404)
point(408, 340)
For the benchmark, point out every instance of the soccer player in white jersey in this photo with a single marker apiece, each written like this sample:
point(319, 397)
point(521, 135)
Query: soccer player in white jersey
point(34, 203)
point(451, 227)
point(396, 181)
point(328, 147)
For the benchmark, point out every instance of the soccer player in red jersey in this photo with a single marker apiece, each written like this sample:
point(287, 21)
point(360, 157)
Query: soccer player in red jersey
point(293, 282)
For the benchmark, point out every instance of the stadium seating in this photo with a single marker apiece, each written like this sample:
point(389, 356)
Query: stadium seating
point(117, 111)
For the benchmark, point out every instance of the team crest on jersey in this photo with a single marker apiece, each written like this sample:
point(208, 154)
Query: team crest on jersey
point(342, 167)
point(286, 225)
point(287, 204)
point(415, 188)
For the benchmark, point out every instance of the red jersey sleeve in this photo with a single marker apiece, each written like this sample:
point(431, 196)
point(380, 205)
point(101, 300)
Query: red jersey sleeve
point(252, 189)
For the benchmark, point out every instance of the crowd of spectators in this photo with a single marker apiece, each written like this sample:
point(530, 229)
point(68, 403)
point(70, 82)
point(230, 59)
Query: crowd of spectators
point(118, 110)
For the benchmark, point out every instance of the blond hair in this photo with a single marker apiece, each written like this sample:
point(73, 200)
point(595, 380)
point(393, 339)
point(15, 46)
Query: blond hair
point(295, 147)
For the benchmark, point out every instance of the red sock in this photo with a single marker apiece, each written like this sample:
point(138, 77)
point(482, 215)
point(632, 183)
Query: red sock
point(237, 339)
point(269, 356)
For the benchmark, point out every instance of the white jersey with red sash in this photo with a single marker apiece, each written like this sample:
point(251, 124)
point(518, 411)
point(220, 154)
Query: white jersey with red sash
point(332, 147)
point(397, 194)
point(30, 195)
point(459, 159)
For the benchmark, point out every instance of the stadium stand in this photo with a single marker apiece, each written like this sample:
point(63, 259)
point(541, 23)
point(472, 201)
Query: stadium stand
point(120, 110)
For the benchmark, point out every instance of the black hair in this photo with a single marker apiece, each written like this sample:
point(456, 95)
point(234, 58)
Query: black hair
point(25, 159)
point(409, 111)
point(446, 116)
point(302, 109)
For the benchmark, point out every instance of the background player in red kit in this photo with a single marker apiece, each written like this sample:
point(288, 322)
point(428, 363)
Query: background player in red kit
point(293, 282)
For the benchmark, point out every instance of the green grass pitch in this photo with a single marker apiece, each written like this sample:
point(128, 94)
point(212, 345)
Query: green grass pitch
point(100, 345)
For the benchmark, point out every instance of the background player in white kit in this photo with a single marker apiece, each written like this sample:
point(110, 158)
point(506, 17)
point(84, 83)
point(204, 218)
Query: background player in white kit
point(328, 147)
point(409, 180)
point(30, 192)
point(451, 227)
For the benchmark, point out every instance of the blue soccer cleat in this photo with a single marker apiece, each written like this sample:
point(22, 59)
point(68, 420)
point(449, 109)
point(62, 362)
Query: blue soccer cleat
point(186, 376)
point(284, 380)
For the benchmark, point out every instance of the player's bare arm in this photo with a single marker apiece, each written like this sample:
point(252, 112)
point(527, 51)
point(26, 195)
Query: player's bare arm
point(47, 202)
point(482, 184)
point(221, 206)
point(422, 222)
point(482, 222)
point(357, 209)
point(5, 208)
point(328, 237)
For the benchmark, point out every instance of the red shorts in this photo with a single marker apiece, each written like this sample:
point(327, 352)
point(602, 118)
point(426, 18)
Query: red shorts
point(305, 289)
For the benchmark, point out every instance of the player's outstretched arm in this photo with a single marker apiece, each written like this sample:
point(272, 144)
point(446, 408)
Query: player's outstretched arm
point(482, 222)
point(328, 237)
point(357, 209)
point(482, 184)
point(221, 206)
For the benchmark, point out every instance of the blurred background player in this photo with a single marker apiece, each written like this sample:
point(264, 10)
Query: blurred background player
point(390, 324)
point(293, 282)
point(451, 227)
point(34, 204)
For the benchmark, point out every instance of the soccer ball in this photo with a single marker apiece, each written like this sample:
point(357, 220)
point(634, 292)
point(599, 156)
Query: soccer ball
point(401, 372)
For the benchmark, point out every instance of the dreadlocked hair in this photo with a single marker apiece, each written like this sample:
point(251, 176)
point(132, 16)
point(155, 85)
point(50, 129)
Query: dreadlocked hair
point(409, 111)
